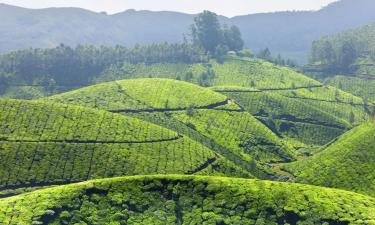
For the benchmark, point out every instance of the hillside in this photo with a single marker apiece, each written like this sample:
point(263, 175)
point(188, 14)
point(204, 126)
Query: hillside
point(348, 163)
point(351, 66)
point(360, 86)
point(351, 51)
point(234, 71)
point(291, 117)
point(291, 89)
point(202, 114)
point(49, 143)
point(50, 27)
point(187, 200)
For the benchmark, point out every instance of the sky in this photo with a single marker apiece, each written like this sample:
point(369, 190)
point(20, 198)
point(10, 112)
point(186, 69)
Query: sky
point(223, 7)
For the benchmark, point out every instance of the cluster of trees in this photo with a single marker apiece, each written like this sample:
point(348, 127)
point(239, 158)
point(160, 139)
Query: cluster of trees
point(215, 39)
point(337, 56)
point(278, 60)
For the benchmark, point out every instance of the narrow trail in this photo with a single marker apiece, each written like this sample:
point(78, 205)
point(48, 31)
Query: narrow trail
point(328, 101)
point(291, 118)
point(209, 162)
point(210, 106)
point(93, 141)
point(270, 89)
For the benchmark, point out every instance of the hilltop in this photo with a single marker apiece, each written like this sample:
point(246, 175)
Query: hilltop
point(348, 163)
point(186, 200)
point(49, 143)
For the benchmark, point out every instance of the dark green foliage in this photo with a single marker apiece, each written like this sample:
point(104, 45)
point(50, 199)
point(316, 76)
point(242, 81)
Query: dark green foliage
point(207, 33)
point(187, 200)
point(63, 67)
point(349, 52)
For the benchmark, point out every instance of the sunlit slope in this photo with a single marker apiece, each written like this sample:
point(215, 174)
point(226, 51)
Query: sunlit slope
point(313, 115)
point(359, 86)
point(234, 71)
point(348, 163)
point(51, 143)
point(187, 200)
point(202, 114)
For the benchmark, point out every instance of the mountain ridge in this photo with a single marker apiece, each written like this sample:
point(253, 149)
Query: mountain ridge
point(289, 33)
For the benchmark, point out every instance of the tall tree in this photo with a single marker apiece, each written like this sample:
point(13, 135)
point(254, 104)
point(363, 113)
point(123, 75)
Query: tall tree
point(206, 31)
point(347, 54)
point(233, 38)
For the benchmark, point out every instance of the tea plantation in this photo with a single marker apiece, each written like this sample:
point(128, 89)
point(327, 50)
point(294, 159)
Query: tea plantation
point(304, 115)
point(204, 115)
point(164, 143)
point(50, 143)
point(348, 163)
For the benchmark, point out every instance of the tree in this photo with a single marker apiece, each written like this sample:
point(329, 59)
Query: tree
point(208, 34)
point(3, 84)
point(347, 54)
point(206, 31)
point(232, 38)
point(327, 53)
point(220, 52)
point(265, 54)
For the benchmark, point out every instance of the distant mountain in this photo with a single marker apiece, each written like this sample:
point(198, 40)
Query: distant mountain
point(289, 33)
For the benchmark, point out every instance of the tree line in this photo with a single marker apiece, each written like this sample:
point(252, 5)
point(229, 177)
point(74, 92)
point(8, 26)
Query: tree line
point(64, 65)
point(338, 56)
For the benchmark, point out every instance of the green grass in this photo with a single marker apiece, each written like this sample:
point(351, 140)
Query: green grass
point(187, 200)
point(202, 114)
point(51, 143)
point(348, 163)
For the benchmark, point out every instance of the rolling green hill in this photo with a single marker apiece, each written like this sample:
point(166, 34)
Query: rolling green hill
point(234, 71)
point(348, 163)
point(187, 200)
point(306, 116)
point(204, 115)
point(50, 143)
point(338, 107)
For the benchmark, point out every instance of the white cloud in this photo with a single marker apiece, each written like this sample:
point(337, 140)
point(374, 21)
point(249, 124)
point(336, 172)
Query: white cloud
point(223, 7)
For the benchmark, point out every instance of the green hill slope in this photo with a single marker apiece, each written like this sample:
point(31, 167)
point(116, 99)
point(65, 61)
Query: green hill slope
point(187, 200)
point(360, 86)
point(49, 143)
point(258, 74)
point(234, 71)
point(348, 163)
point(202, 114)
point(314, 115)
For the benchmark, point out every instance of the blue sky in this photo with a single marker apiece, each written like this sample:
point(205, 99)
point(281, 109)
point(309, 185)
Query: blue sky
point(223, 7)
